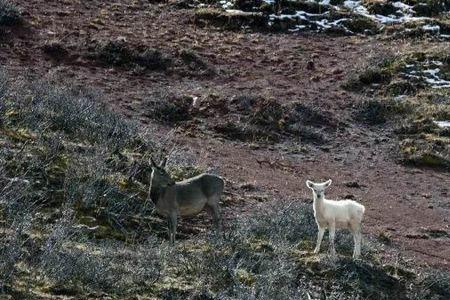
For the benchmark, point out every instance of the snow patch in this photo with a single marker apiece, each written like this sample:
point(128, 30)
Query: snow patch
point(442, 124)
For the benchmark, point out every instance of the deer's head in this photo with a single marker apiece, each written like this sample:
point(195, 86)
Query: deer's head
point(318, 188)
point(159, 176)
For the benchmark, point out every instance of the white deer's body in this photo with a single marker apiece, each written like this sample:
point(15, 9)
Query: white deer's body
point(345, 214)
point(185, 198)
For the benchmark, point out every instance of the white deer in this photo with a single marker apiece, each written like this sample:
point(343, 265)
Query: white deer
point(184, 198)
point(336, 214)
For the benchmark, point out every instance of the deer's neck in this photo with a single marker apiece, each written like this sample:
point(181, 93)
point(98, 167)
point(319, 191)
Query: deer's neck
point(156, 192)
point(318, 202)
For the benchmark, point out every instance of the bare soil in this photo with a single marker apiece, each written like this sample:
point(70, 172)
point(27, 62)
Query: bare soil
point(403, 203)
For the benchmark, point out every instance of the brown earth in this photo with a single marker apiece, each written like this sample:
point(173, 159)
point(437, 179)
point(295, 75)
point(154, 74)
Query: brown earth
point(402, 202)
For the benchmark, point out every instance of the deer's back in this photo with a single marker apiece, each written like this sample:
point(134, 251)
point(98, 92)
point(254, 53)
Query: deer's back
point(192, 194)
point(207, 184)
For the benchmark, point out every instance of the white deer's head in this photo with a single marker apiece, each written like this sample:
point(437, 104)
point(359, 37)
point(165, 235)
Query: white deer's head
point(318, 188)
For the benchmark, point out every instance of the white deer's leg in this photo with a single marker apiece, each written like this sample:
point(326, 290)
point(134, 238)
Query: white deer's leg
point(319, 239)
point(356, 230)
point(358, 238)
point(332, 231)
point(355, 241)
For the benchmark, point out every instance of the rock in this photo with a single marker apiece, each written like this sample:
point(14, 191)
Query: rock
point(352, 184)
point(248, 186)
point(417, 236)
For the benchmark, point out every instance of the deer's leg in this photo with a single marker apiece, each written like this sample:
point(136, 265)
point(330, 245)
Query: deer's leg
point(172, 227)
point(319, 239)
point(332, 230)
point(169, 228)
point(214, 209)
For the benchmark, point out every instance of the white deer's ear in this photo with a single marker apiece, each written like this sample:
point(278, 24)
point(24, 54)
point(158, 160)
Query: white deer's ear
point(309, 184)
point(328, 183)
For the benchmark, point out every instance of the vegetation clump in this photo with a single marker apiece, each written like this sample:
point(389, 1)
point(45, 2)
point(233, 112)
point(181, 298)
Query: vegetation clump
point(169, 108)
point(431, 8)
point(361, 24)
point(196, 64)
point(121, 54)
point(231, 20)
point(373, 112)
point(430, 151)
point(54, 49)
point(9, 14)
point(413, 106)
point(247, 5)
point(267, 121)
point(384, 8)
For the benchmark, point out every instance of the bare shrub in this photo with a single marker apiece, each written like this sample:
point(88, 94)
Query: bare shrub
point(16, 217)
point(167, 107)
point(71, 262)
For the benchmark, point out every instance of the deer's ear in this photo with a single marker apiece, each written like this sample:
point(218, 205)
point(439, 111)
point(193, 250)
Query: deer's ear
point(163, 163)
point(152, 162)
point(328, 183)
point(309, 184)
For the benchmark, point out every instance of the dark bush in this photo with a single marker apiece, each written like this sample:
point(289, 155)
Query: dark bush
point(361, 24)
point(230, 20)
point(374, 76)
point(54, 49)
point(153, 59)
point(289, 6)
point(168, 108)
point(299, 112)
point(120, 53)
point(267, 113)
point(430, 8)
point(247, 5)
point(196, 64)
point(381, 8)
point(373, 112)
point(9, 14)
point(368, 77)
